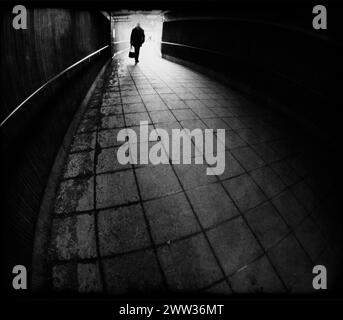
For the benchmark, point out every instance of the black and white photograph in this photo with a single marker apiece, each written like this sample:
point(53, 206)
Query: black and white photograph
point(170, 158)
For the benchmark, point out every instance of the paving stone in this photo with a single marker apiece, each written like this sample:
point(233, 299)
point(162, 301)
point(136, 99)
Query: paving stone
point(170, 218)
point(266, 134)
point(88, 276)
point(305, 195)
point(249, 121)
point(218, 97)
point(194, 103)
point(121, 230)
point(110, 98)
point(202, 95)
point(94, 103)
point(151, 97)
point(108, 161)
point(289, 208)
point(112, 110)
point(142, 138)
point(134, 119)
point(129, 93)
point(268, 181)
point(131, 99)
point(248, 158)
point(285, 172)
point(91, 113)
point(185, 95)
point(234, 245)
point(108, 138)
point(79, 164)
point(222, 288)
point(83, 142)
point(267, 224)
point(233, 140)
point(163, 90)
point(249, 136)
point(221, 112)
point(147, 90)
point(169, 97)
point(184, 114)
point(75, 195)
point(193, 175)
point(293, 265)
point(73, 237)
point(134, 107)
point(203, 112)
point(193, 124)
point(144, 86)
point(124, 275)
point(213, 150)
point(85, 235)
point(234, 122)
point(64, 242)
point(150, 178)
point(64, 277)
point(257, 277)
point(311, 238)
point(216, 123)
point(189, 264)
point(181, 149)
point(298, 164)
point(154, 102)
point(169, 126)
point(176, 104)
point(244, 192)
point(232, 167)
point(87, 125)
point(212, 204)
point(139, 153)
point(211, 103)
point(124, 86)
point(162, 116)
point(112, 122)
point(115, 189)
point(266, 152)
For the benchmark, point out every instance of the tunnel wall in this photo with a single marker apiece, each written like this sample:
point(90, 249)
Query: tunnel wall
point(280, 61)
point(54, 40)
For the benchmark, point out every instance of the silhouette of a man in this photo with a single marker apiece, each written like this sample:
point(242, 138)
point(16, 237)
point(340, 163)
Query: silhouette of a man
point(137, 39)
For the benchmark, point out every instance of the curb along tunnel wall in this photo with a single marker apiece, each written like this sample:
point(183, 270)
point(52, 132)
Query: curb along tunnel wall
point(53, 40)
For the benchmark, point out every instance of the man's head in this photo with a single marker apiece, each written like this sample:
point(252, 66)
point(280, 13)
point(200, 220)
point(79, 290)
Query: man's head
point(138, 25)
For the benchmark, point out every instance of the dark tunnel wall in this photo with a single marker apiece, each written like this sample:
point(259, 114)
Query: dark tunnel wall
point(54, 40)
point(283, 62)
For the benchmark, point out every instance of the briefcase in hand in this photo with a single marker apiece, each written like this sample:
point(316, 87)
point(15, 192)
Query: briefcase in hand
point(131, 53)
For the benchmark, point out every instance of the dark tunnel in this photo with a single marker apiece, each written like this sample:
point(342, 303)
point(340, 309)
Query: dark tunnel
point(82, 224)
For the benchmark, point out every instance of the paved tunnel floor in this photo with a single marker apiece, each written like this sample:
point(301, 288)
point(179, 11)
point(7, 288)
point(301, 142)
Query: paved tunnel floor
point(258, 227)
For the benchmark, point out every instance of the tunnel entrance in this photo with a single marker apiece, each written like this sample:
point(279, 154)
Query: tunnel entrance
point(122, 23)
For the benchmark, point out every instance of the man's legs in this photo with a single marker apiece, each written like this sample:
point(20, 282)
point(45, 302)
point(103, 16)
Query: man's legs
point(137, 53)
